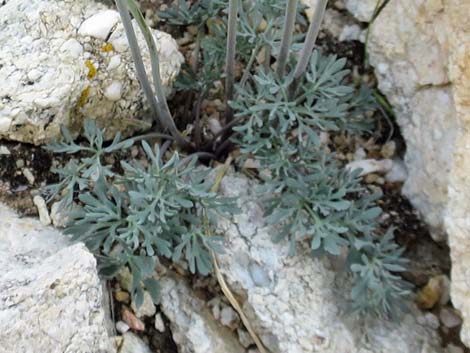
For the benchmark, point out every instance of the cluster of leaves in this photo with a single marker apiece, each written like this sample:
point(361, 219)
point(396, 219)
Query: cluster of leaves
point(135, 217)
point(152, 210)
point(259, 27)
point(308, 195)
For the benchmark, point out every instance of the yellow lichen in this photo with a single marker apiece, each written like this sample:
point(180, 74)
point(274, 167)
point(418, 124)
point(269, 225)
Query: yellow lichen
point(83, 97)
point(107, 48)
point(91, 69)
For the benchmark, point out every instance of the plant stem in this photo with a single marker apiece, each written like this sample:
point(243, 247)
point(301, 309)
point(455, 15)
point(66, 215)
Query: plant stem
point(230, 60)
point(289, 23)
point(163, 112)
point(136, 56)
point(311, 38)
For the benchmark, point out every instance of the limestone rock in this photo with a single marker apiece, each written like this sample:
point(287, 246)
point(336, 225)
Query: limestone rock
point(133, 344)
point(193, 326)
point(50, 293)
point(294, 303)
point(362, 9)
point(421, 54)
point(64, 61)
point(407, 47)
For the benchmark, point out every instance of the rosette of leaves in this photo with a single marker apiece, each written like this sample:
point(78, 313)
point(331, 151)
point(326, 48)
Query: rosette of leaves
point(309, 197)
point(148, 211)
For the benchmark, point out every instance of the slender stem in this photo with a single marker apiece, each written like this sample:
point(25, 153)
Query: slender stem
point(197, 120)
point(164, 115)
point(311, 38)
point(288, 30)
point(230, 60)
point(136, 56)
point(267, 57)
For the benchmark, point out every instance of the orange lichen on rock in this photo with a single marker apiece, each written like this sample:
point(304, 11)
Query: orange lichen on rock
point(91, 69)
point(107, 48)
point(83, 97)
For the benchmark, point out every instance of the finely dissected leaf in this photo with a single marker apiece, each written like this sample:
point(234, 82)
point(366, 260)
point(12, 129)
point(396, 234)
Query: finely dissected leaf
point(146, 212)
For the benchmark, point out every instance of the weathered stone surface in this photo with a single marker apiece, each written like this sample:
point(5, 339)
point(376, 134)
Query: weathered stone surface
point(64, 61)
point(50, 293)
point(294, 303)
point(193, 327)
point(421, 54)
point(133, 344)
point(362, 9)
point(408, 48)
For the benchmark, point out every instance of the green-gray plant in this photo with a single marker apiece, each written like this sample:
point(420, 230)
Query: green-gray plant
point(308, 195)
point(146, 212)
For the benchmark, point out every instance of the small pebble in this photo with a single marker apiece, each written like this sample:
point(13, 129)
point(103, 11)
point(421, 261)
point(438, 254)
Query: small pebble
point(29, 175)
point(122, 296)
point(42, 210)
point(435, 291)
point(368, 166)
point(122, 327)
point(132, 321)
point(388, 150)
point(147, 308)
point(4, 151)
point(19, 163)
point(450, 318)
point(159, 324)
point(228, 317)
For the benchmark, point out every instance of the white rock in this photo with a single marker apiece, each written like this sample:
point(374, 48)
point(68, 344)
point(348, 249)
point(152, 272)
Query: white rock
point(4, 151)
point(193, 327)
point(133, 344)
point(398, 173)
point(122, 327)
point(362, 9)
point(214, 125)
point(420, 52)
point(159, 324)
point(228, 317)
point(55, 76)
point(72, 47)
point(99, 25)
point(298, 309)
point(114, 91)
point(42, 210)
point(51, 299)
point(360, 154)
point(147, 308)
point(450, 317)
point(369, 166)
point(352, 32)
point(28, 174)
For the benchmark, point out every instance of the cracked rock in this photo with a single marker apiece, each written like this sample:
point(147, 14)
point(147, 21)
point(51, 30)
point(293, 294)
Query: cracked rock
point(194, 328)
point(297, 308)
point(50, 293)
point(64, 61)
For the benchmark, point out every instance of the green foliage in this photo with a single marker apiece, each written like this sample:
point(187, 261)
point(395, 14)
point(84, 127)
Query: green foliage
point(375, 263)
point(308, 195)
point(147, 212)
